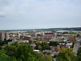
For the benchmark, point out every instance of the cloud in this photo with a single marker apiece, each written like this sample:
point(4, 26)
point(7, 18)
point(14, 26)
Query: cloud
point(24, 7)
point(39, 13)
point(13, 7)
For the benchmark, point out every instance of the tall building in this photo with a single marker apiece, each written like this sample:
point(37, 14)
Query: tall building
point(6, 35)
point(2, 36)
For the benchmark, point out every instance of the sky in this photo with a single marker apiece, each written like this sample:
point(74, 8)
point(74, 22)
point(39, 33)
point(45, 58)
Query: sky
point(33, 14)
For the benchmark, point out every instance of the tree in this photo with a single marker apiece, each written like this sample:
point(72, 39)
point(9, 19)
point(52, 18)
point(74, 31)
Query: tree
point(3, 56)
point(42, 46)
point(66, 54)
point(53, 43)
point(79, 55)
point(23, 52)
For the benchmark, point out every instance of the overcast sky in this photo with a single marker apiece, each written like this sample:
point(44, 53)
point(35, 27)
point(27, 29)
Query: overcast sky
point(31, 14)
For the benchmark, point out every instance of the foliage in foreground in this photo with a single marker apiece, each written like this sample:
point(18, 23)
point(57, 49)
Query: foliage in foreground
point(66, 54)
point(22, 52)
point(79, 55)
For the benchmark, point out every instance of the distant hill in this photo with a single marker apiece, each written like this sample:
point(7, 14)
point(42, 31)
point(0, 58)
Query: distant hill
point(48, 29)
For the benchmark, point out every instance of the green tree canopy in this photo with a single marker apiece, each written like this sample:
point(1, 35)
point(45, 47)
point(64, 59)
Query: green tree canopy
point(79, 55)
point(66, 54)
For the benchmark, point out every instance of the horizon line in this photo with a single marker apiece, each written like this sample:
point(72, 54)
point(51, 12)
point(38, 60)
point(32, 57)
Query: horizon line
point(40, 28)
